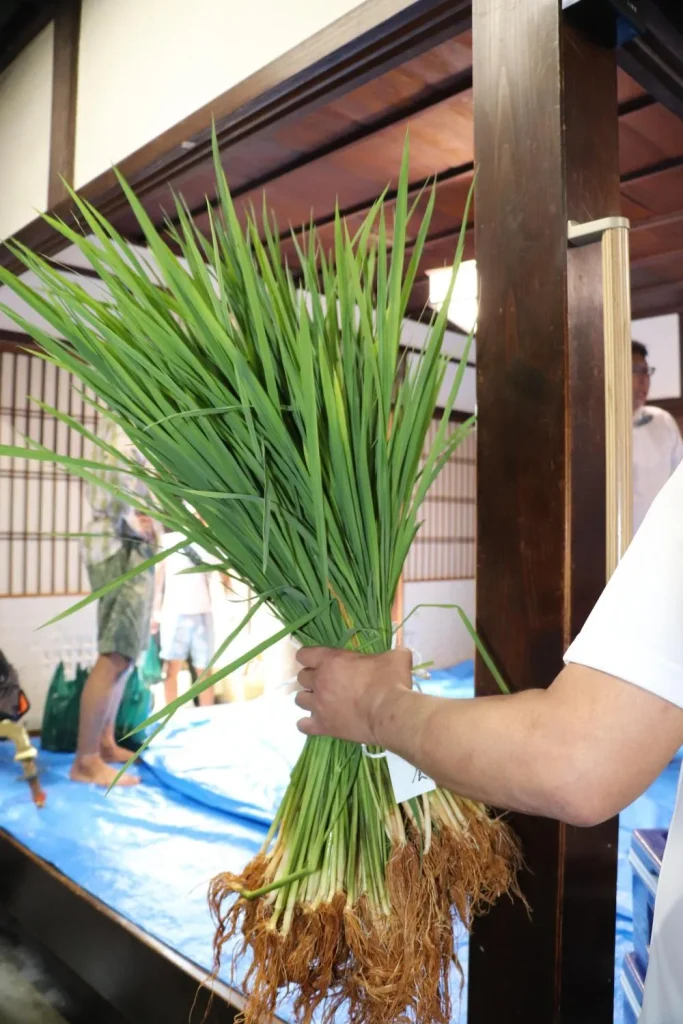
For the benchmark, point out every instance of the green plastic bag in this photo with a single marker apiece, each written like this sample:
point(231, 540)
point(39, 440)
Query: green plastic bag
point(135, 707)
point(151, 669)
point(62, 709)
point(59, 731)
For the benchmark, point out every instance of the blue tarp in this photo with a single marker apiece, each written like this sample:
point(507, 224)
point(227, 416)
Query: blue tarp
point(149, 852)
point(652, 810)
point(247, 750)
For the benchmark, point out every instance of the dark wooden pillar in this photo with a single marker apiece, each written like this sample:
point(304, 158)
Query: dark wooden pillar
point(546, 136)
point(67, 29)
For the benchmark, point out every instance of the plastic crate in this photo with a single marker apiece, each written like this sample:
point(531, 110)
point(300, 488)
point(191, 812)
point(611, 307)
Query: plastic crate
point(632, 986)
point(645, 858)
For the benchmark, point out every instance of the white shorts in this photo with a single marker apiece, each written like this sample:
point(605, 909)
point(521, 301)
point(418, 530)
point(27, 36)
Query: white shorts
point(188, 637)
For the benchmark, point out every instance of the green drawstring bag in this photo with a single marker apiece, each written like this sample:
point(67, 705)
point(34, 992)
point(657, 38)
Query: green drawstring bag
point(62, 708)
point(135, 707)
point(137, 701)
point(59, 731)
point(151, 669)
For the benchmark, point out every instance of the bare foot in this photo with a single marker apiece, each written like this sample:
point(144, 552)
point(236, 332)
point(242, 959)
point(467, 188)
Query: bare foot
point(112, 753)
point(93, 769)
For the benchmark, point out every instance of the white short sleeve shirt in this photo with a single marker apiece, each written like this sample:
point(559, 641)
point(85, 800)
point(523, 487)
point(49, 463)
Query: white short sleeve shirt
point(184, 593)
point(635, 633)
point(657, 453)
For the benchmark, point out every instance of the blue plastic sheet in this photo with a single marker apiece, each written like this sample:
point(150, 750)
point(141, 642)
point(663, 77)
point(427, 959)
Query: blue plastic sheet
point(653, 809)
point(244, 751)
point(146, 852)
point(212, 782)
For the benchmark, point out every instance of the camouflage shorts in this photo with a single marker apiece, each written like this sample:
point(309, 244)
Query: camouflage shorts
point(124, 614)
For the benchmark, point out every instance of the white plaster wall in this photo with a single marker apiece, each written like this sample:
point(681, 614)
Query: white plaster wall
point(144, 65)
point(437, 634)
point(25, 114)
point(36, 652)
point(414, 336)
point(466, 400)
point(661, 336)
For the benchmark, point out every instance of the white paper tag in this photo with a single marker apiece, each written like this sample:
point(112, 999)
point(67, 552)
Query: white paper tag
point(407, 780)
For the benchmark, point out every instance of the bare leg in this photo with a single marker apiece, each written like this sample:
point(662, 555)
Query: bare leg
point(206, 697)
point(171, 681)
point(95, 709)
point(110, 751)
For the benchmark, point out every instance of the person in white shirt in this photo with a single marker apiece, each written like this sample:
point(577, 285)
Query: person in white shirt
point(657, 444)
point(558, 752)
point(184, 615)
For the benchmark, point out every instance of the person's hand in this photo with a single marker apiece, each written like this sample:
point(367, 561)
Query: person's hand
point(348, 694)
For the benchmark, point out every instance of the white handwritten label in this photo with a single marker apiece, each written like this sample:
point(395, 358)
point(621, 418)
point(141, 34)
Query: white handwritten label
point(407, 781)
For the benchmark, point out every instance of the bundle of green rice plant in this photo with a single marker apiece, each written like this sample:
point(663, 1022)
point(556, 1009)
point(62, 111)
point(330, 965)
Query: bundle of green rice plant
point(285, 430)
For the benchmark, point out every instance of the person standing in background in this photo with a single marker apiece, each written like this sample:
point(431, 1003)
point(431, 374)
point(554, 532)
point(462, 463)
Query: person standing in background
point(184, 615)
point(118, 539)
point(657, 444)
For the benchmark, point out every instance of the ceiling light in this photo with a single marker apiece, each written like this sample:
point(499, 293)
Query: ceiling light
point(463, 307)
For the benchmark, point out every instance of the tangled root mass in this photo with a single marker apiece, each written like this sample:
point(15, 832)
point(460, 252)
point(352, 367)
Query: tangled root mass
point(381, 966)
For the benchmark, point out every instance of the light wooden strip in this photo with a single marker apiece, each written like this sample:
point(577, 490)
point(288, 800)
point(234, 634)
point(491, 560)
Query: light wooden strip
point(618, 395)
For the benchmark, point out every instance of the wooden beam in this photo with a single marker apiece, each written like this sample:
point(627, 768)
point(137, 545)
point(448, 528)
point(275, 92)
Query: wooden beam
point(669, 164)
point(144, 979)
point(67, 27)
point(11, 340)
point(540, 394)
point(635, 104)
point(657, 257)
point(71, 268)
point(451, 173)
point(656, 68)
point(657, 299)
point(414, 189)
point(451, 86)
point(373, 38)
point(661, 220)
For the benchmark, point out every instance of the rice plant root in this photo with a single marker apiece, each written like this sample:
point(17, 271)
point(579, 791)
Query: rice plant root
point(384, 956)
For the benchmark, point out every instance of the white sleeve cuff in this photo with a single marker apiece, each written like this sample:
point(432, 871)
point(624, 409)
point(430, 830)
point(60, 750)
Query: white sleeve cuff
point(644, 668)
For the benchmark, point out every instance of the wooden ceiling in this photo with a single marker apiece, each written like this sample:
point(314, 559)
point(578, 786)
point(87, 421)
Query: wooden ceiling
point(349, 149)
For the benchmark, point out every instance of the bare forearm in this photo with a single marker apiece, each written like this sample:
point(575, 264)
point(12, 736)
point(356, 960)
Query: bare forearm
point(493, 749)
point(556, 752)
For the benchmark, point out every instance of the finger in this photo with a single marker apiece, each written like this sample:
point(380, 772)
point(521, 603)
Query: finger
point(304, 700)
point(308, 726)
point(311, 657)
point(306, 679)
